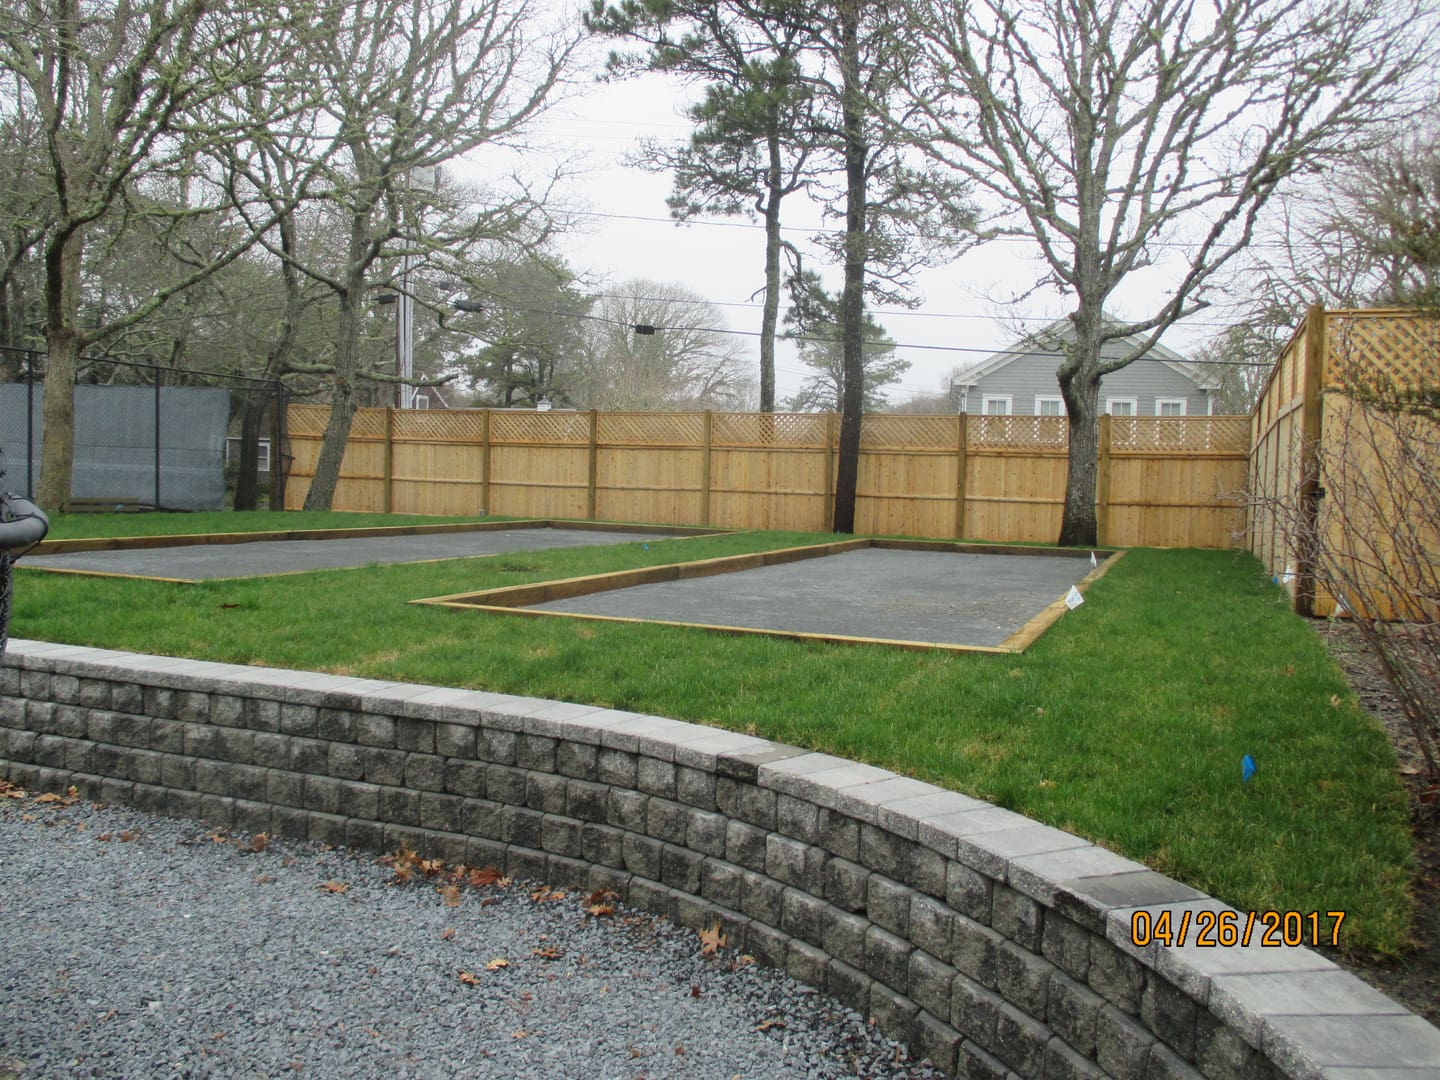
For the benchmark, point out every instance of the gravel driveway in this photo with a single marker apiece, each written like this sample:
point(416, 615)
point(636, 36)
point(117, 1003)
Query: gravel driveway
point(142, 946)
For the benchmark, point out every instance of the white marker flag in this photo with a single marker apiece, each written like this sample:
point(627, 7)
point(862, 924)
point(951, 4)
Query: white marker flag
point(1073, 599)
point(1094, 562)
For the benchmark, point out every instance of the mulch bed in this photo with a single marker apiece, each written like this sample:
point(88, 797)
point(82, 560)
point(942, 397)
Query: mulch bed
point(1414, 979)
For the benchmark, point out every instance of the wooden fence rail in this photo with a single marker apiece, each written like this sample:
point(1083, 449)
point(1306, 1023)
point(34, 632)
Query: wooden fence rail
point(1164, 481)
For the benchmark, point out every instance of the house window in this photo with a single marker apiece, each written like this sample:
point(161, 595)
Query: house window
point(1121, 406)
point(1049, 406)
point(1169, 406)
point(995, 404)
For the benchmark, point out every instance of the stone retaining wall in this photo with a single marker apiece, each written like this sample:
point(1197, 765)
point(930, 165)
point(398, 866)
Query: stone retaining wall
point(997, 946)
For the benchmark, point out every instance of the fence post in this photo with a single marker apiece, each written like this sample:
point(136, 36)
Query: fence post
point(961, 434)
point(157, 438)
point(1102, 485)
point(389, 474)
point(708, 429)
point(829, 523)
point(30, 424)
point(485, 450)
point(1311, 431)
point(277, 450)
point(594, 467)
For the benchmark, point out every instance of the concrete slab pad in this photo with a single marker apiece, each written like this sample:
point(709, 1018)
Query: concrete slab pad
point(269, 557)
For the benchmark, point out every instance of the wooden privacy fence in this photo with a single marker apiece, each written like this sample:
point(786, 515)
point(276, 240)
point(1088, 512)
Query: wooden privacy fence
point(1326, 470)
point(1163, 481)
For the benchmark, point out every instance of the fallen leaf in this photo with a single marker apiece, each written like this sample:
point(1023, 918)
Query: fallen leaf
point(451, 893)
point(550, 952)
point(10, 791)
point(80, 826)
point(129, 835)
point(469, 979)
point(695, 991)
point(51, 797)
point(335, 886)
point(432, 867)
point(546, 894)
point(497, 964)
point(766, 1025)
point(219, 838)
point(711, 940)
point(487, 875)
point(258, 843)
point(448, 934)
point(520, 1033)
point(263, 879)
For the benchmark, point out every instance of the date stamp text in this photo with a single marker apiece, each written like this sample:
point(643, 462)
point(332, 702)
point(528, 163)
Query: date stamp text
point(1225, 929)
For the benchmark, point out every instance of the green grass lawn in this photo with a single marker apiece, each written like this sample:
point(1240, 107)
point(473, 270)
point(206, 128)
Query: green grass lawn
point(1125, 723)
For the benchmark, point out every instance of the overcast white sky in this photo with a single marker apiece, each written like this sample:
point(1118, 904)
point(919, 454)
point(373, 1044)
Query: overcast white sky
point(968, 308)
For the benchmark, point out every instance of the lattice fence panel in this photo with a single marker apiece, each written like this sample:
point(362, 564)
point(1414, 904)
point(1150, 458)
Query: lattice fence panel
point(552, 428)
point(1018, 432)
point(368, 424)
point(307, 421)
point(440, 425)
point(769, 429)
point(1229, 434)
point(1400, 346)
point(650, 429)
point(883, 432)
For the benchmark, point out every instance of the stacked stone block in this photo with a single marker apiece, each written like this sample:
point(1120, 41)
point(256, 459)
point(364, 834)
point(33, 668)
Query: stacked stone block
point(996, 946)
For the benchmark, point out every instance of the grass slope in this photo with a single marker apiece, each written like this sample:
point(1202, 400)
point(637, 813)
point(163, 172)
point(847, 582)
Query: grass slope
point(1125, 723)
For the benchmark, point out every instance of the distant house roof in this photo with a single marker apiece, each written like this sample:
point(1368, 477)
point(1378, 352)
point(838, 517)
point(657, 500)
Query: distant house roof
point(1046, 341)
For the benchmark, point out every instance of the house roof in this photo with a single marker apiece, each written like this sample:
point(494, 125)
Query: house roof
point(1040, 343)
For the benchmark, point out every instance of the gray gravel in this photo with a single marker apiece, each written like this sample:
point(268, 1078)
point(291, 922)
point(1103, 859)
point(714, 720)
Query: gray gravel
point(133, 945)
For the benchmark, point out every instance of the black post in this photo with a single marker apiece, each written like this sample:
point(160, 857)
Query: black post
point(29, 423)
point(157, 438)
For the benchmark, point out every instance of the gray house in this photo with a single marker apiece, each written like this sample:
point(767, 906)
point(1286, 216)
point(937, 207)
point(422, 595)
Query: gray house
point(1020, 381)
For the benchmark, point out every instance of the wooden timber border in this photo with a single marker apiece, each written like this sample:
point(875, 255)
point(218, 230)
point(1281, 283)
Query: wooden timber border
point(519, 599)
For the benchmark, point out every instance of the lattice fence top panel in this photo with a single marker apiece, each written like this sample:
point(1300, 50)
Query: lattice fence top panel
point(882, 432)
point(440, 425)
point(540, 427)
point(1227, 434)
point(769, 429)
point(650, 429)
point(1403, 347)
point(1019, 432)
point(306, 421)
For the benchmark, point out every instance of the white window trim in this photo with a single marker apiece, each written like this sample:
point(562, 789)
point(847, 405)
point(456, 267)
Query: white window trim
point(1008, 399)
point(1160, 403)
point(1134, 404)
point(1039, 398)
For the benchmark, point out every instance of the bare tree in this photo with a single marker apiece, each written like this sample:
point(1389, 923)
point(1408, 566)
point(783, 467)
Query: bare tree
point(652, 346)
point(1123, 135)
point(117, 90)
point(400, 89)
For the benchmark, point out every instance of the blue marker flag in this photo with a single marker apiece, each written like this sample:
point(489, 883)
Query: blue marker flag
point(646, 547)
point(1247, 768)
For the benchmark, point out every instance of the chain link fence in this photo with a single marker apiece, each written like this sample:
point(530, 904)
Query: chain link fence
point(150, 437)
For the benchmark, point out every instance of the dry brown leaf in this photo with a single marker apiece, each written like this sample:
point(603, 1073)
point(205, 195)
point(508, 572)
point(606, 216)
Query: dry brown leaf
point(520, 1033)
point(219, 838)
point(258, 843)
point(51, 797)
point(469, 978)
point(711, 940)
point(432, 866)
point(263, 879)
point(549, 952)
point(448, 934)
point(766, 1025)
point(335, 886)
point(451, 893)
point(487, 875)
point(546, 894)
point(129, 835)
point(10, 791)
point(497, 964)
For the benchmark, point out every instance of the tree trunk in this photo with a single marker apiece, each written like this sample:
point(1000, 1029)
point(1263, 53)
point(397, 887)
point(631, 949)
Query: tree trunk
point(247, 483)
point(62, 296)
point(852, 296)
point(1081, 391)
point(770, 315)
point(342, 409)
